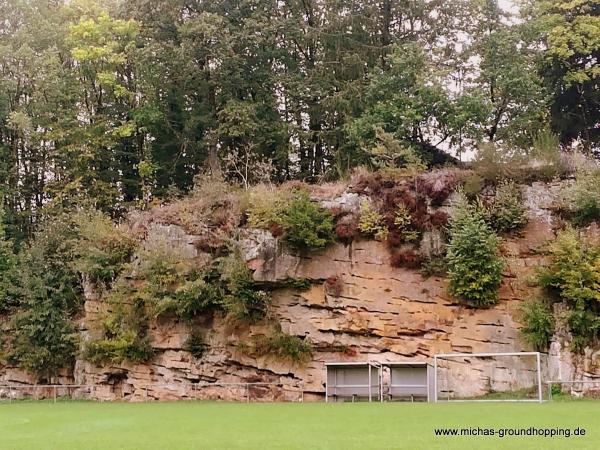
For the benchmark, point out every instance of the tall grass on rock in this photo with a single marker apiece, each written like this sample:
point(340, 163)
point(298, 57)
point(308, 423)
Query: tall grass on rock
point(583, 198)
point(474, 264)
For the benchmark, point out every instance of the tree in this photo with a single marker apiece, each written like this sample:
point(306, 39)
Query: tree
point(570, 32)
point(8, 270)
point(515, 99)
point(406, 101)
point(50, 295)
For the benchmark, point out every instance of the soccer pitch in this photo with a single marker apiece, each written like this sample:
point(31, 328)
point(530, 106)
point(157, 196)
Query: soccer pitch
point(209, 425)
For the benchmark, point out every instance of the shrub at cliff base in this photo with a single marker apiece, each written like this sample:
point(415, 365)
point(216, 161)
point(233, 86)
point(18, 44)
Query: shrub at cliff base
point(49, 296)
point(474, 265)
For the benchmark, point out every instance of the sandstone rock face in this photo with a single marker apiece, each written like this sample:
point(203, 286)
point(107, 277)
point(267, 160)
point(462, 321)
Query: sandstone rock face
point(380, 313)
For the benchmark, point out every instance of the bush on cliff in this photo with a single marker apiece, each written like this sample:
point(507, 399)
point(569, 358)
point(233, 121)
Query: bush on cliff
point(573, 275)
point(195, 344)
point(244, 300)
point(303, 223)
point(371, 222)
point(538, 323)
point(124, 336)
point(103, 248)
point(281, 345)
point(172, 285)
point(583, 198)
point(306, 226)
point(474, 265)
point(507, 211)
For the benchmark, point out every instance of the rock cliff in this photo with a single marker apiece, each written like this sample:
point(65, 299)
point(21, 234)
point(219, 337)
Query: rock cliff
point(357, 308)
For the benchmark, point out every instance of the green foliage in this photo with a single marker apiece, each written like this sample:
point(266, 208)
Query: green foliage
point(282, 345)
point(195, 344)
point(538, 323)
point(306, 226)
point(574, 271)
point(474, 265)
point(45, 339)
point(403, 220)
point(574, 275)
point(265, 206)
point(125, 336)
point(104, 249)
point(169, 284)
point(585, 328)
point(390, 155)
point(244, 300)
point(195, 297)
point(371, 222)
point(494, 163)
point(300, 284)
point(474, 183)
point(571, 34)
point(50, 295)
point(507, 210)
point(583, 198)
point(160, 283)
point(401, 101)
point(124, 347)
point(8, 271)
point(556, 390)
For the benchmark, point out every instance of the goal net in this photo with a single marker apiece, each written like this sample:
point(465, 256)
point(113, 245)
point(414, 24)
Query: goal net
point(488, 377)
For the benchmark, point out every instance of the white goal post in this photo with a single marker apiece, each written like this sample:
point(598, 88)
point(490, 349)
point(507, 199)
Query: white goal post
point(537, 381)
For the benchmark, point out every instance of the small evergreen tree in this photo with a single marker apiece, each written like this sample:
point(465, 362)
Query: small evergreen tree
point(306, 225)
point(474, 266)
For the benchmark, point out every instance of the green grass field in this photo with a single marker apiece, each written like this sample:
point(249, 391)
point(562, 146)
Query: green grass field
point(207, 425)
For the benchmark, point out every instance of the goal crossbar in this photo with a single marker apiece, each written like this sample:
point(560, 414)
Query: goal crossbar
point(448, 356)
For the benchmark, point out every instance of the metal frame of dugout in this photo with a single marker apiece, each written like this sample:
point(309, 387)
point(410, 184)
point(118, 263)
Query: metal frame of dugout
point(411, 380)
point(353, 381)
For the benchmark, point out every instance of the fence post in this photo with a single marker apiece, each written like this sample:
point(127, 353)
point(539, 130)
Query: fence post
point(9, 394)
point(54, 393)
point(247, 392)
